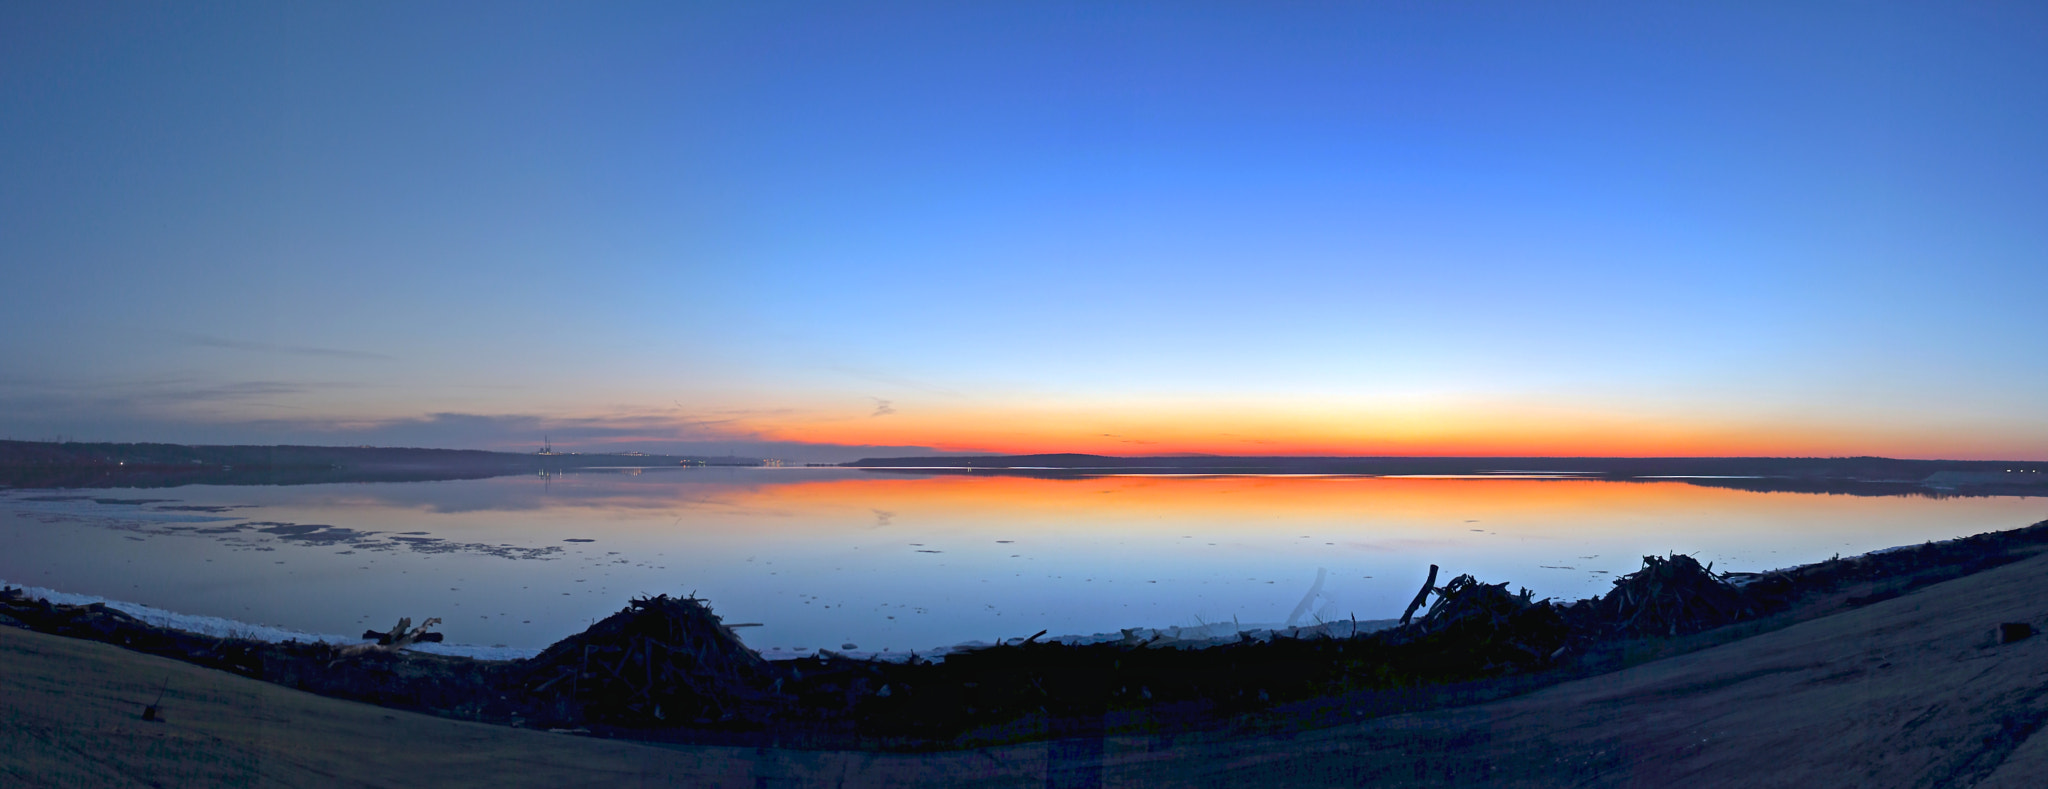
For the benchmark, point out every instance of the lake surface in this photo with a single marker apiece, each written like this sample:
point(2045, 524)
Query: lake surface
point(894, 561)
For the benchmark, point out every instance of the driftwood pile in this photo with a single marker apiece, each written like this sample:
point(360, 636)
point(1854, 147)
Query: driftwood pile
point(1467, 604)
point(1484, 629)
point(1668, 597)
point(661, 661)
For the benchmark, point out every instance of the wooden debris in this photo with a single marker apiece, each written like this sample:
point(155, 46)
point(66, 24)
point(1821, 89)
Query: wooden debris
point(1420, 597)
point(1668, 597)
point(1483, 629)
point(153, 711)
point(661, 661)
point(398, 638)
point(392, 636)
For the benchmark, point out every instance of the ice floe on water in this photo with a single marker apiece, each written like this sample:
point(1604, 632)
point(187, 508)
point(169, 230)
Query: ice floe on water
point(155, 518)
point(121, 509)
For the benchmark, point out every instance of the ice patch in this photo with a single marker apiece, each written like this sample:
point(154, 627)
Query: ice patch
point(86, 507)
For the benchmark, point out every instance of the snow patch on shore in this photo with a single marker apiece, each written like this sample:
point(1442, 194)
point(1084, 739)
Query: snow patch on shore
point(221, 627)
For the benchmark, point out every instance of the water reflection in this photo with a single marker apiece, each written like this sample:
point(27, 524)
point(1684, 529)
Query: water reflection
point(825, 557)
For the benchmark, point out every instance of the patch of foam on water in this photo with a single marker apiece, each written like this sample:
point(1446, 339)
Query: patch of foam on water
point(221, 627)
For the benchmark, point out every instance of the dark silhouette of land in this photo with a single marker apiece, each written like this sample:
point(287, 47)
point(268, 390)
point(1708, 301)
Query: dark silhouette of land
point(39, 464)
point(1852, 475)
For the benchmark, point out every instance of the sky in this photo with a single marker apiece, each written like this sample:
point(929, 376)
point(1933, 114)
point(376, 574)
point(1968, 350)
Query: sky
point(824, 231)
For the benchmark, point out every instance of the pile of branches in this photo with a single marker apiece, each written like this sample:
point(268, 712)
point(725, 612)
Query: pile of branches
point(1482, 629)
point(661, 661)
point(1668, 597)
point(1465, 604)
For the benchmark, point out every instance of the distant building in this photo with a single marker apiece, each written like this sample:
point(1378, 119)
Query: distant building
point(2011, 476)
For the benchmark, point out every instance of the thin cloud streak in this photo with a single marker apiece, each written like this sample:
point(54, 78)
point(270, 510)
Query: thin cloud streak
point(28, 398)
point(205, 341)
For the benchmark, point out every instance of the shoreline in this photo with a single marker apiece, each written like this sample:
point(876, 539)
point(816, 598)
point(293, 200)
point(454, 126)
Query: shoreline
point(342, 578)
point(229, 628)
point(1186, 636)
point(69, 465)
point(1183, 636)
point(1912, 690)
point(1475, 644)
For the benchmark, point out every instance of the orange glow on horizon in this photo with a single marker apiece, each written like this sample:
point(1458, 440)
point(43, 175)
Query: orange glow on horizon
point(1416, 432)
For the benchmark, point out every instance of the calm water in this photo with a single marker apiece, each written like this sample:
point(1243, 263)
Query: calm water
point(830, 557)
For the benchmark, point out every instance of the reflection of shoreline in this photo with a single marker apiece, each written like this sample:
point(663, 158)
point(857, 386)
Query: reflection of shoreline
point(26, 464)
point(1844, 476)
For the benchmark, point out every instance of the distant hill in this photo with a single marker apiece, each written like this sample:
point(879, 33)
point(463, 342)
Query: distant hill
point(80, 464)
point(1864, 474)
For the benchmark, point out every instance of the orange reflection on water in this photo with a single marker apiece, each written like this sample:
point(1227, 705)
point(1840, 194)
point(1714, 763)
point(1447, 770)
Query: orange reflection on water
point(1167, 503)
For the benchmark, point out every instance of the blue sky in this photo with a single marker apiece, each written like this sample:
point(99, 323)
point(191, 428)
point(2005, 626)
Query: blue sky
point(1386, 228)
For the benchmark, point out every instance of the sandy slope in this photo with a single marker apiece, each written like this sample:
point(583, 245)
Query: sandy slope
point(1906, 692)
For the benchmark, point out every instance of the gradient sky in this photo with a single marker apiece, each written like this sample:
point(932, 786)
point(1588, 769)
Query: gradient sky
point(826, 231)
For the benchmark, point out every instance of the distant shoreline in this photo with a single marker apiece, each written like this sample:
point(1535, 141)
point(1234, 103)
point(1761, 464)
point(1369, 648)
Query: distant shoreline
point(1852, 475)
point(33, 464)
point(42, 464)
